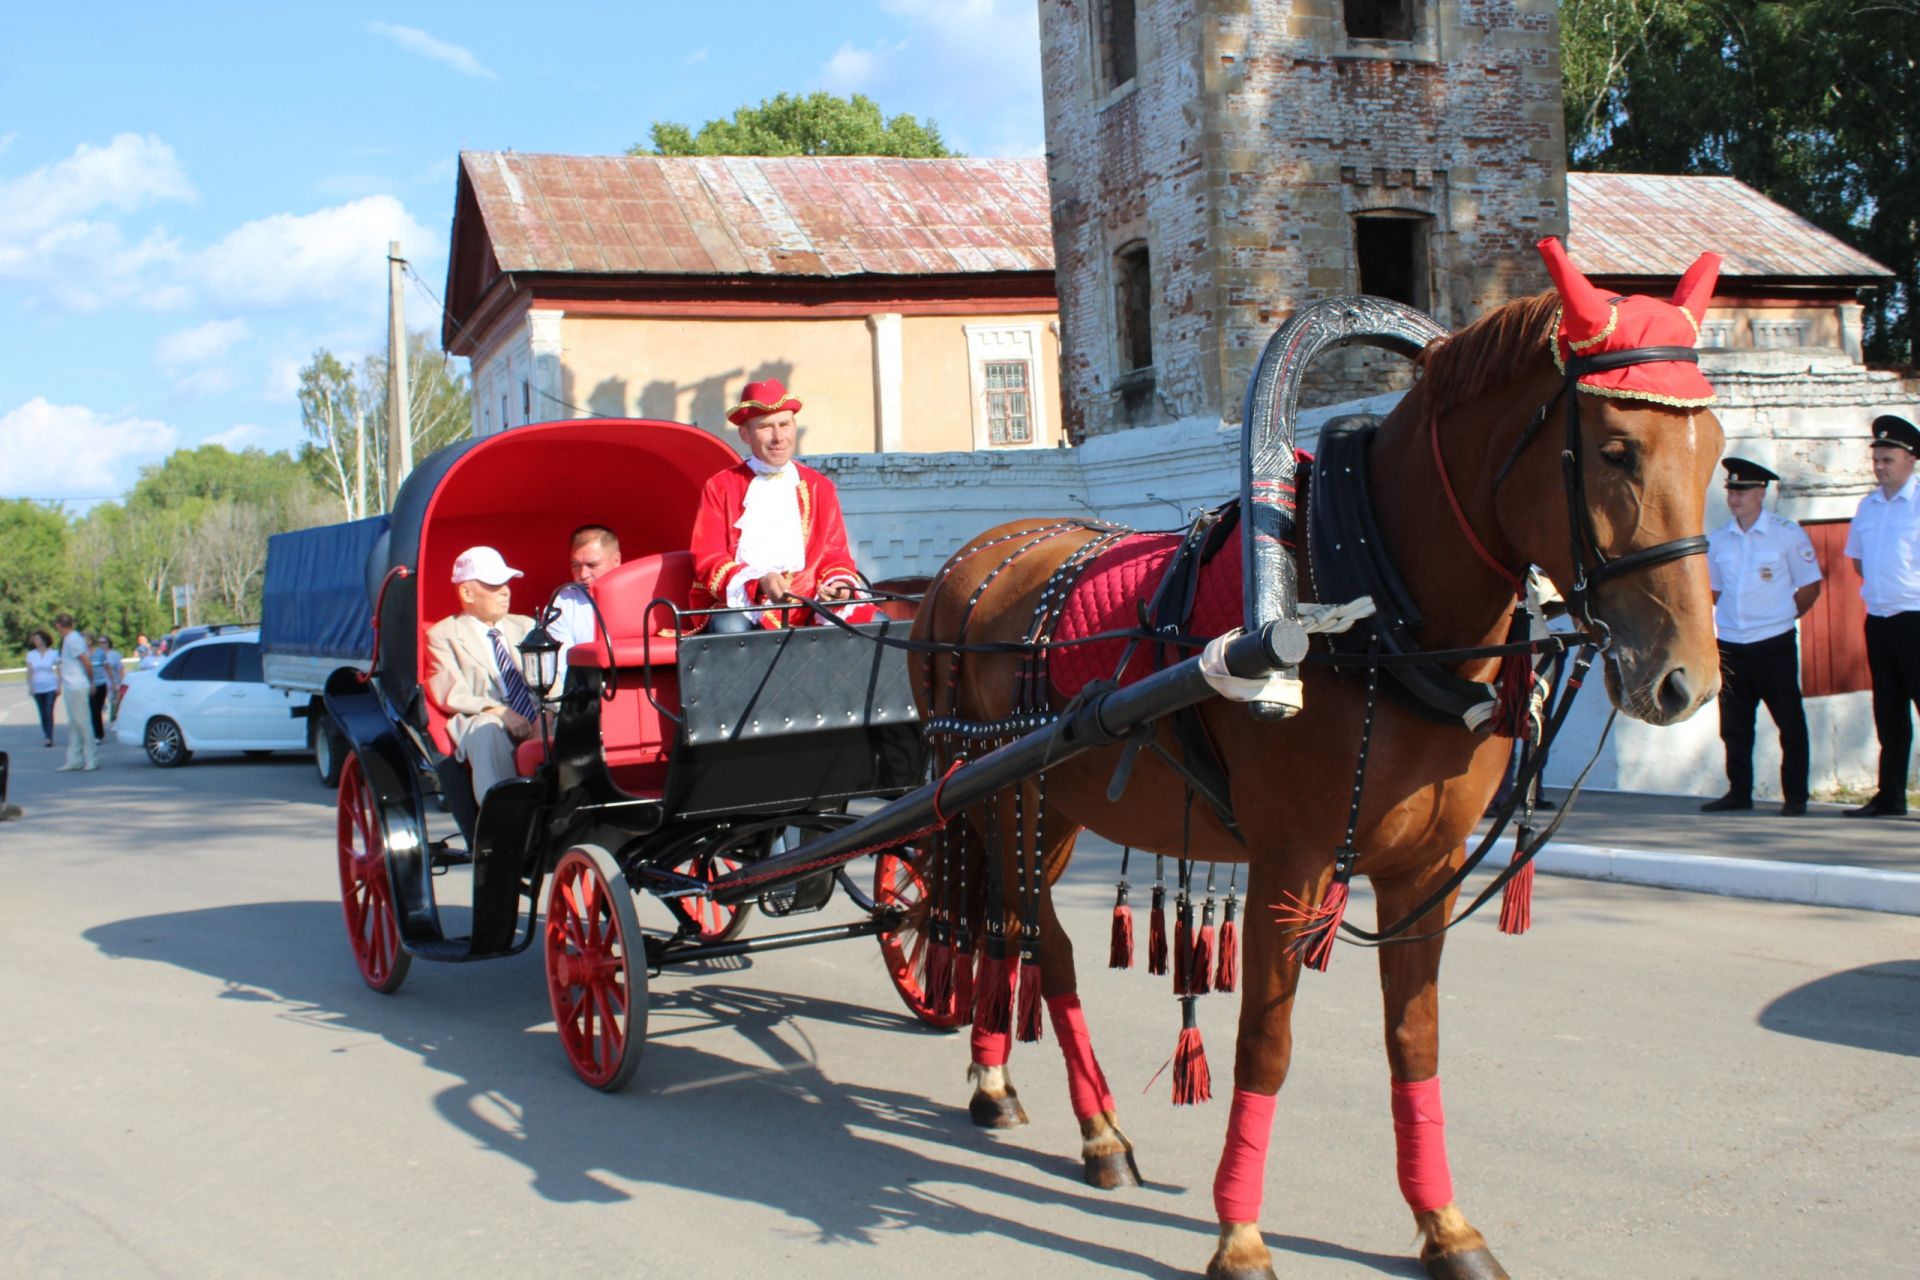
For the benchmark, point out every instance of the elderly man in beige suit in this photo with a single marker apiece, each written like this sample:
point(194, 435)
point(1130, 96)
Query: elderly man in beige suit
point(473, 669)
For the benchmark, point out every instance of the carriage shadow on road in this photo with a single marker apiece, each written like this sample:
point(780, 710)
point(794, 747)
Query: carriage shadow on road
point(1850, 1008)
point(759, 1120)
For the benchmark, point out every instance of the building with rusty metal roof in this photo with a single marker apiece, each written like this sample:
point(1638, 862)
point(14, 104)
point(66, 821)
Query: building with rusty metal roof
point(909, 303)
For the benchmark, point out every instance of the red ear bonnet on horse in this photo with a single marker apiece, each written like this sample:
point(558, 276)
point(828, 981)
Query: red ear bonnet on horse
point(1592, 322)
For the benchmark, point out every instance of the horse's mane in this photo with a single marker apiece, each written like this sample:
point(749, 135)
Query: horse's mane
point(1485, 353)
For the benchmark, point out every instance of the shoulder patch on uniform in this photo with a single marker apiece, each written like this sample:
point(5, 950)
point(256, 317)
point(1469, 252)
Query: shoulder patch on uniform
point(1806, 553)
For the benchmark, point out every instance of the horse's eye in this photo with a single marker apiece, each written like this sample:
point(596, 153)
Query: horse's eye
point(1616, 453)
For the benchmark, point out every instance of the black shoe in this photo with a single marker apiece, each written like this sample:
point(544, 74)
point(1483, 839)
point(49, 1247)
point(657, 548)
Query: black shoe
point(1794, 809)
point(1878, 808)
point(1727, 803)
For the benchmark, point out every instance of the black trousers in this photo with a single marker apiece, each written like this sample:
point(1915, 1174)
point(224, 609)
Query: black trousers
point(1765, 671)
point(1893, 658)
point(97, 703)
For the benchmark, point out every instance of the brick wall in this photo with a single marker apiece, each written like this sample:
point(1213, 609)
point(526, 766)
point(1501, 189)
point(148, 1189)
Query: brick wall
point(1252, 136)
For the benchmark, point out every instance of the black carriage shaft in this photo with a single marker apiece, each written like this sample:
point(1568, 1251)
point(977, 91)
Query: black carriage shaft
point(1096, 721)
point(695, 952)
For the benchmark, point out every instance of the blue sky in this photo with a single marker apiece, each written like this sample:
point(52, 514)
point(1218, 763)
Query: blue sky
point(196, 196)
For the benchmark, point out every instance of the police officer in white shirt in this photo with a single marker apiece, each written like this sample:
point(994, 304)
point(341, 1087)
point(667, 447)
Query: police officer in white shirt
point(593, 550)
point(1764, 576)
point(1884, 545)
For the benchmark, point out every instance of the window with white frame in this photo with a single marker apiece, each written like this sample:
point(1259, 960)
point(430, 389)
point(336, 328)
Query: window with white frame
point(1007, 376)
point(1009, 402)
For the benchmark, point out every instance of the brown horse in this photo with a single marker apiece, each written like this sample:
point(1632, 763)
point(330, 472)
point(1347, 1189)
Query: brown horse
point(1647, 473)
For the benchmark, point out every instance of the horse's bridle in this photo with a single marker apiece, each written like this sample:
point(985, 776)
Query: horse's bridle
point(1591, 565)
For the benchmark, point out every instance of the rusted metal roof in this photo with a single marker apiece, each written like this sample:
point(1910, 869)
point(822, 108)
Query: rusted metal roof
point(753, 215)
point(1643, 224)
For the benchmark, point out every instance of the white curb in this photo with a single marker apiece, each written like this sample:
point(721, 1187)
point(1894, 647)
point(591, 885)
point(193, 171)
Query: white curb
point(1808, 883)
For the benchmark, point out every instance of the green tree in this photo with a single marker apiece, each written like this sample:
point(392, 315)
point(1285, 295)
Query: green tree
point(343, 409)
point(818, 124)
point(1815, 103)
point(33, 568)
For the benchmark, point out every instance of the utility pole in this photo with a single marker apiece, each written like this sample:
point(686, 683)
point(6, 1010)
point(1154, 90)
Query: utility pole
point(399, 426)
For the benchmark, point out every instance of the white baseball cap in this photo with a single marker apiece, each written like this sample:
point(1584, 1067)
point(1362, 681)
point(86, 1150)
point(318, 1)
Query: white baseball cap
point(482, 564)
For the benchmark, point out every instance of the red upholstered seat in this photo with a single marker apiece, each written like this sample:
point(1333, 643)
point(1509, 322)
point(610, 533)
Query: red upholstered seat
point(635, 735)
point(529, 756)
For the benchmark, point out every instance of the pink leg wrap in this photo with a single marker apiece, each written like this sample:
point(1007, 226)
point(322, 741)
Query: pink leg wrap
point(1241, 1180)
point(990, 1047)
point(1086, 1086)
point(1420, 1139)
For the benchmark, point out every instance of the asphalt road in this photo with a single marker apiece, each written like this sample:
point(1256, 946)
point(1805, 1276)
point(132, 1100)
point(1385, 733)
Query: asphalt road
point(194, 1083)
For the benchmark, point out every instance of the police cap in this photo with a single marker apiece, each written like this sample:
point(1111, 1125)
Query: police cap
point(1742, 474)
point(1896, 432)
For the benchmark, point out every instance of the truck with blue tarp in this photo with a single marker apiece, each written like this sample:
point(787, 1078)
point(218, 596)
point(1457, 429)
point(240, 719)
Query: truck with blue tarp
point(317, 617)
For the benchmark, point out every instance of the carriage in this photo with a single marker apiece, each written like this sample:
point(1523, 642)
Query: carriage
point(672, 758)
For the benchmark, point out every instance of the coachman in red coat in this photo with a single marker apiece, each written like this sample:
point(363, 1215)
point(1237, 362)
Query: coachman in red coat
point(770, 529)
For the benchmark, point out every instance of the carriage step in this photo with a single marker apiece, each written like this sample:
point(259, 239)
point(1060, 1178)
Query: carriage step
point(442, 949)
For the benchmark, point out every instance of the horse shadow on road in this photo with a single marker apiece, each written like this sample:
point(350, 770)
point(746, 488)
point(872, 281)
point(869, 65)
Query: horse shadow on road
point(759, 1120)
point(1876, 1006)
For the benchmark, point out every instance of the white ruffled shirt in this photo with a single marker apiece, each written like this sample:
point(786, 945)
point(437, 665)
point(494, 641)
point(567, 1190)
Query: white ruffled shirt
point(772, 539)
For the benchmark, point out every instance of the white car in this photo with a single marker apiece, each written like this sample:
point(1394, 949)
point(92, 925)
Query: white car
point(209, 696)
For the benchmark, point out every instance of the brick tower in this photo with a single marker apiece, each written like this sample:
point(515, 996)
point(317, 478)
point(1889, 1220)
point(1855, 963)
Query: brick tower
point(1216, 164)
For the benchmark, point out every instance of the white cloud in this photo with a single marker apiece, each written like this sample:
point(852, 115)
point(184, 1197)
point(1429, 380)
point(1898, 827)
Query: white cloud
point(56, 451)
point(55, 243)
point(973, 61)
point(414, 40)
point(332, 255)
point(852, 69)
point(200, 344)
point(697, 56)
point(212, 380)
point(236, 437)
point(283, 380)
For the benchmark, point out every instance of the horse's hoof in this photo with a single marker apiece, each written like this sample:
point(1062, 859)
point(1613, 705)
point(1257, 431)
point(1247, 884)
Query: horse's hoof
point(1003, 1112)
point(1471, 1264)
point(1112, 1171)
point(1216, 1271)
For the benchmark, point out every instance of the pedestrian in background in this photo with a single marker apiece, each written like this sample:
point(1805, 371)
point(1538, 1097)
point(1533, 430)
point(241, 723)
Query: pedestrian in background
point(1884, 545)
point(76, 685)
point(142, 652)
point(1764, 577)
point(97, 696)
point(116, 680)
point(43, 678)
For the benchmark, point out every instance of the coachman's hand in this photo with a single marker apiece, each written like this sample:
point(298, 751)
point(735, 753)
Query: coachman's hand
point(838, 590)
point(774, 587)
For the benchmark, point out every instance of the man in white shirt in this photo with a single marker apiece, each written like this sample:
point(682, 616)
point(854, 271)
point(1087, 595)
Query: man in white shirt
point(1764, 577)
point(473, 670)
point(593, 552)
point(1884, 545)
point(76, 690)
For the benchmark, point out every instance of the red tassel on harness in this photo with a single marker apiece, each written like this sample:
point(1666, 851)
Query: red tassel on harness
point(1120, 944)
point(1192, 1082)
point(1202, 969)
point(940, 977)
point(1157, 932)
point(1314, 928)
point(993, 994)
point(1513, 711)
point(962, 967)
point(1183, 948)
point(1027, 1022)
point(1227, 976)
point(1516, 900)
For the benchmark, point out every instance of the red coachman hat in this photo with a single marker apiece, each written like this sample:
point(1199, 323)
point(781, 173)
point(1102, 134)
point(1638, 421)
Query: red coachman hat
point(1590, 323)
point(757, 398)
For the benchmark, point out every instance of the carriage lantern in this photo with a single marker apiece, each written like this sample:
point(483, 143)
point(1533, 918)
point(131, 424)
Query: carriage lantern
point(540, 660)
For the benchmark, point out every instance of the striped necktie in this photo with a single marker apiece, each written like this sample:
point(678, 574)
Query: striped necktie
point(519, 697)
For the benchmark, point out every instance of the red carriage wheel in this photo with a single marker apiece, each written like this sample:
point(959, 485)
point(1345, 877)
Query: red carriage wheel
point(366, 896)
point(709, 921)
point(898, 884)
point(596, 968)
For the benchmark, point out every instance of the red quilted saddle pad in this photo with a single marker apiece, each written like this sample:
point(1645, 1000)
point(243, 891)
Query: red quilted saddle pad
point(1108, 596)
